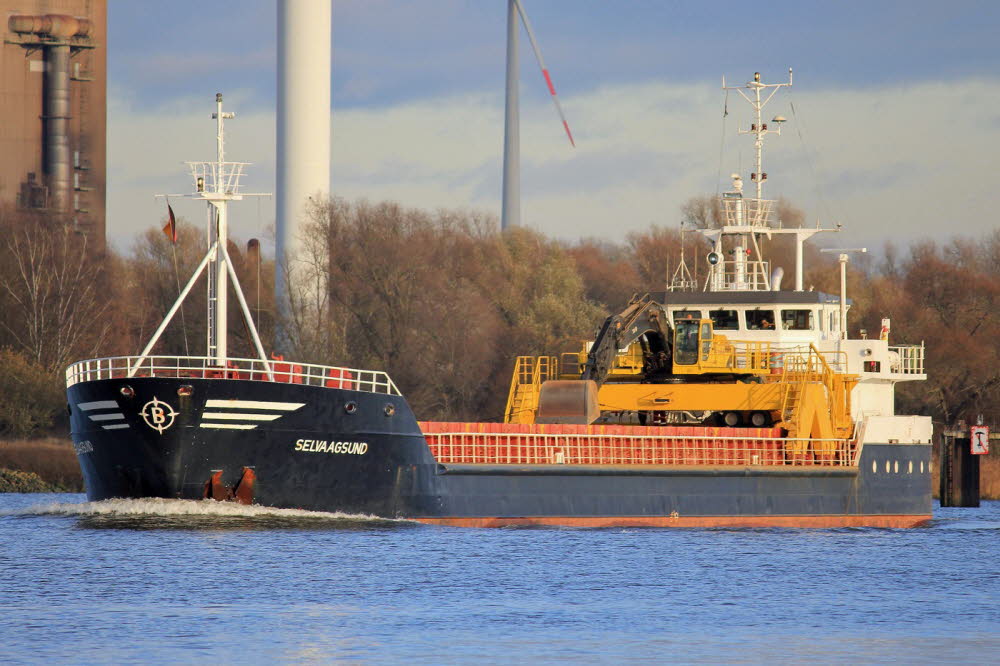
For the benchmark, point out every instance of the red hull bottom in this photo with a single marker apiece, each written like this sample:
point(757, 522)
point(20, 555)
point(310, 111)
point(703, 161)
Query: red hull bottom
point(687, 521)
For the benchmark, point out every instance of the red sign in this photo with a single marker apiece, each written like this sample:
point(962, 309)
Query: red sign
point(980, 436)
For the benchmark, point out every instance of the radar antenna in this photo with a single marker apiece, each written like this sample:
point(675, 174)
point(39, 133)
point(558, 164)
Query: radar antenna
point(745, 220)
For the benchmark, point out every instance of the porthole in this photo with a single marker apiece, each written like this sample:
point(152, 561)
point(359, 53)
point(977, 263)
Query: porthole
point(389, 409)
point(909, 468)
point(874, 467)
point(921, 466)
point(886, 466)
point(895, 467)
point(351, 407)
point(126, 391)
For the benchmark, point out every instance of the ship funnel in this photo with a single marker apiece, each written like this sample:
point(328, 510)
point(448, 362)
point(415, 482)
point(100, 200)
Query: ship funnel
point(776, 276)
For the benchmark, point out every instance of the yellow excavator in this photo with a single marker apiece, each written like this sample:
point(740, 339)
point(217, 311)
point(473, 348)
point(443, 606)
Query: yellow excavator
point(639, 363)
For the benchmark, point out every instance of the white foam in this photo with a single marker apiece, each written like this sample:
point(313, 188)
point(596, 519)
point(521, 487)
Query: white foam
point(177, 507)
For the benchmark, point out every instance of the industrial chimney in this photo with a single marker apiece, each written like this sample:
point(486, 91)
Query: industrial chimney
point(56, 35)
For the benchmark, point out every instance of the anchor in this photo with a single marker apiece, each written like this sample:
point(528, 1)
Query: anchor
point(241, 493)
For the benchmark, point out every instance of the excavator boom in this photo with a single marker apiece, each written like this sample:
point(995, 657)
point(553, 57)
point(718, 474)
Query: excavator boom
point(574, 401)
point(642, 316)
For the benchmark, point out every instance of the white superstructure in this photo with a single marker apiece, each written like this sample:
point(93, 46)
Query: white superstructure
point(742, 293)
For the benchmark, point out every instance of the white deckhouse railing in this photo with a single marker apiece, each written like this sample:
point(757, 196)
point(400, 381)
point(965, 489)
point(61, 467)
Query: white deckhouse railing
point(203, 367)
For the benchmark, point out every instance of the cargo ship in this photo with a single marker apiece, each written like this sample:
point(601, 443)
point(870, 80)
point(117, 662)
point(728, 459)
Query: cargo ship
point(730, 402)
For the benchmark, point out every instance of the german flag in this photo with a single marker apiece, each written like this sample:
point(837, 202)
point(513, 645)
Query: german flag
point(170, 228)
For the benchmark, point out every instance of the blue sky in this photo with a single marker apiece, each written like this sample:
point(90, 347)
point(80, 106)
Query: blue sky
point(897, 107)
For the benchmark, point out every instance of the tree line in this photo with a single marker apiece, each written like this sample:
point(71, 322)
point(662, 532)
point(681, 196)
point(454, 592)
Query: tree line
point(444, 303)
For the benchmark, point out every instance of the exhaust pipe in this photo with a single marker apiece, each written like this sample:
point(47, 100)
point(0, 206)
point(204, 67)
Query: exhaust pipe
point(56, 122)
point(55, 111)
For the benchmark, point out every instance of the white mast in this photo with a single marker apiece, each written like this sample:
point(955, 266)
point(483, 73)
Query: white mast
point(222, 189)
point(747, 219)
point(216, 183)
point(759, 128)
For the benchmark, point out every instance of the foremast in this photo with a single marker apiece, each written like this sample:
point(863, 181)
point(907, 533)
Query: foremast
point(744, 220)
point(216, 183)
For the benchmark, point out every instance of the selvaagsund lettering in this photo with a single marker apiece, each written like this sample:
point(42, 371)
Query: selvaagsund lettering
point(324, 446)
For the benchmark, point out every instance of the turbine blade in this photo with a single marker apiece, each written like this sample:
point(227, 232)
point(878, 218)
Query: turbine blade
point(545, 70)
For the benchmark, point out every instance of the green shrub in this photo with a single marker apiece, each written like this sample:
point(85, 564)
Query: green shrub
point(31, 398)
point(13, 481)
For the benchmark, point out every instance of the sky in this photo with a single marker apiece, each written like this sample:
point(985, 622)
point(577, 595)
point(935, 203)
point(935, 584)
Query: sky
point(893, 118)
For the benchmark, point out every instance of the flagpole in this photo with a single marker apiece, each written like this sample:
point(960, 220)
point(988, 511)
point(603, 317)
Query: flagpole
point(177, 279)
point(172, 222)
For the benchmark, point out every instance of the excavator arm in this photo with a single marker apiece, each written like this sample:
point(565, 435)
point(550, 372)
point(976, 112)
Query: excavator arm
point(575, 401)
point(642, 317)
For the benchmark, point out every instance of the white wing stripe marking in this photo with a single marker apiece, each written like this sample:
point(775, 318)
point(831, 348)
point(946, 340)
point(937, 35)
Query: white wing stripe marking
point(234, 416)
point(116, 426)
point(100, 404)
point(107, 417)
point(230, 426)
point(255, 404)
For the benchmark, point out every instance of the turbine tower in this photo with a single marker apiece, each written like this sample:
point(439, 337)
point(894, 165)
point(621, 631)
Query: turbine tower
point(303, 132)
point(510, 215)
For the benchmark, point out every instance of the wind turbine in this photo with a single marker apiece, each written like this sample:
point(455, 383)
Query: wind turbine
point(510, 215)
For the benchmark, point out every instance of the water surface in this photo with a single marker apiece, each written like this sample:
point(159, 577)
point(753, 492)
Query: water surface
point(161, 581)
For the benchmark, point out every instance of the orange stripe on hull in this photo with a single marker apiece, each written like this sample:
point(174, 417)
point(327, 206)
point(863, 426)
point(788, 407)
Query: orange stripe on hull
point(687, 521)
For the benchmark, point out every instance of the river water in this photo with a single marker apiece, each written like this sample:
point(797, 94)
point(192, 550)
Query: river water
point(160, 581)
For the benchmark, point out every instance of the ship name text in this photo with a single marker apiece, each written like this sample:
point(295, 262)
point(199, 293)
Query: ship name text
point(323, 446)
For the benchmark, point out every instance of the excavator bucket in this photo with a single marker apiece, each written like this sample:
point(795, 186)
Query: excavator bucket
point(568, 401)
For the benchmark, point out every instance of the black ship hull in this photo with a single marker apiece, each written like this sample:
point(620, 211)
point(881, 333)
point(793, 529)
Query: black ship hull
point(341, 450)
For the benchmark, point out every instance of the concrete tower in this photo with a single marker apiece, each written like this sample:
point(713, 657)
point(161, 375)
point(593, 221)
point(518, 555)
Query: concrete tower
point(303, 133)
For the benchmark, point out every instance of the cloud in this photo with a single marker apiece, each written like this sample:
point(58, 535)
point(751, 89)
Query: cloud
point(894, 162)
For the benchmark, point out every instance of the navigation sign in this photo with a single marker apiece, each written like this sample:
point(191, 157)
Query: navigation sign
point(980, 437)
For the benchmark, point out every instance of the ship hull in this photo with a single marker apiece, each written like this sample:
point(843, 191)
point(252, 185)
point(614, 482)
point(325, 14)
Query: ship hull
point(340, 450)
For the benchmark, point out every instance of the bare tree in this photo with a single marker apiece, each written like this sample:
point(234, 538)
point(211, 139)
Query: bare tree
point(702, 212)
point(53, 286)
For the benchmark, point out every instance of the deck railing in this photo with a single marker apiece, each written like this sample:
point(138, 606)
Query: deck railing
point(201, 367)
point(907, 359)
point(614, 449)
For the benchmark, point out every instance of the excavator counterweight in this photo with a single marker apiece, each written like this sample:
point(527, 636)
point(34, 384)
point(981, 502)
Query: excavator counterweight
point(568, 401)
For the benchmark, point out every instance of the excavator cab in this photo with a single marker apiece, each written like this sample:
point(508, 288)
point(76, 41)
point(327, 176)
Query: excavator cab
point(693, 350)
point(686, 341)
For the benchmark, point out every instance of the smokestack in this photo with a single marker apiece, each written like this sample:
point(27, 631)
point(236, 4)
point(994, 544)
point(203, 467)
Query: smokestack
point(57, 164)
point(56, 31)
point(303, 133)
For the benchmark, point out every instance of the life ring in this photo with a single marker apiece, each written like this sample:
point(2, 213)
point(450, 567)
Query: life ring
point(777, 363)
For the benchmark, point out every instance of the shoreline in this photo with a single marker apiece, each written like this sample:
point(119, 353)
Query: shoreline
point(41, 465)
point(17, 481)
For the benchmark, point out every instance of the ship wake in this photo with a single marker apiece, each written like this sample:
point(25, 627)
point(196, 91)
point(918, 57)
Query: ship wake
point(157, 513)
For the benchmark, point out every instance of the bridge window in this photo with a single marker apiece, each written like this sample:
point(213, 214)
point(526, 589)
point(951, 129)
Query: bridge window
point(725, 320)
point(687, 314)
point(760, 320)
point(797, 320)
